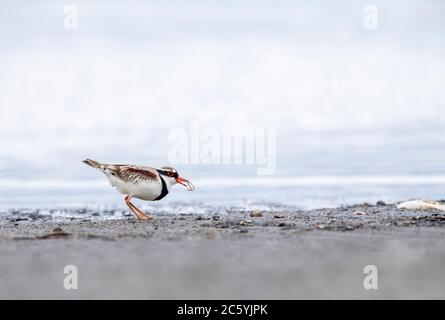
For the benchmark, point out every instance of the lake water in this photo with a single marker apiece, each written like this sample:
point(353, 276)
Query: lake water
point(311, 175)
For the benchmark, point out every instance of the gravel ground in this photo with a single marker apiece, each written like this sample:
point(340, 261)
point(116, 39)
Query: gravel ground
point(231, 255)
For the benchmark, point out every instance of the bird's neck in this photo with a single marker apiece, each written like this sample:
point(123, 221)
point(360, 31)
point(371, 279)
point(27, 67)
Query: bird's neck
point(168, 183)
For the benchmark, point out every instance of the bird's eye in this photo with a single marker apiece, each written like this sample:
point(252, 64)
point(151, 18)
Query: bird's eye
point(170, 174)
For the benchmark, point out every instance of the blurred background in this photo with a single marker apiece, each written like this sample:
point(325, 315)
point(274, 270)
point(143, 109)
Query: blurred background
point(359, 113)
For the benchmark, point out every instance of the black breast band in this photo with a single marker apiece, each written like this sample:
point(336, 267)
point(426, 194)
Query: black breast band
point(164, 191)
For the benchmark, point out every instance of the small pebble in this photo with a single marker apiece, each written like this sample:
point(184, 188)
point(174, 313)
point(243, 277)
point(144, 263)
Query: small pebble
point(256, 214)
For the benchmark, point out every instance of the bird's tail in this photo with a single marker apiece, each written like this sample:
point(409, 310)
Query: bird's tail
point(95, 164)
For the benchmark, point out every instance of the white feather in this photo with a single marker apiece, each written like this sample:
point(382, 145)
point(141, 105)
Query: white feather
point(144, 189)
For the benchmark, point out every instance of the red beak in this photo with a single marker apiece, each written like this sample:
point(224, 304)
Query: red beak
point(185, 182)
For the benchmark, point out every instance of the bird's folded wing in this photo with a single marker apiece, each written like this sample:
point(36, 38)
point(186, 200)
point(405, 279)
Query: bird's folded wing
point(135, 174)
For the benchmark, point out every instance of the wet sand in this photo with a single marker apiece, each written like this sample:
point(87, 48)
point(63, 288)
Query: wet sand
point(233, 255)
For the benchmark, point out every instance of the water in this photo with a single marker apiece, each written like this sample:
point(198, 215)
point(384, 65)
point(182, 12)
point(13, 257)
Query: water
point(311, 177)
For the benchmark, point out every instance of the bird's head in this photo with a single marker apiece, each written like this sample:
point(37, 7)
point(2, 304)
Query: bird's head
point(172, 177)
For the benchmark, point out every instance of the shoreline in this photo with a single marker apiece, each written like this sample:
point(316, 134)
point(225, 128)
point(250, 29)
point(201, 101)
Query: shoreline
point(237, 255)
point(115, 222)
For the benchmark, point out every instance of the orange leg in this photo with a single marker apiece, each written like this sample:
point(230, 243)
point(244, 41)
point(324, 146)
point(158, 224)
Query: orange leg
point(139, 214)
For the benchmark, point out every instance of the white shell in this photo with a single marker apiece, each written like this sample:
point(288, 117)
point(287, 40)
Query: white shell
point(421, 205)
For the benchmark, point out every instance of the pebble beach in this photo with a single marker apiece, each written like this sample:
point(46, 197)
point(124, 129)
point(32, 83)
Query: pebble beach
point(255, 254)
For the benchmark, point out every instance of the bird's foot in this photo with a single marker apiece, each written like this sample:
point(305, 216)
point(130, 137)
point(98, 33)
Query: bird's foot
point(144, 217)
point(140, 216)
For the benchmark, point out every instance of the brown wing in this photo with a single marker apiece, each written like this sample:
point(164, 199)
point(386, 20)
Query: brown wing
point(133, 173)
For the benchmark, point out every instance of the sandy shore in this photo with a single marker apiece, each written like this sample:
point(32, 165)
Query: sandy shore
point(251, 255)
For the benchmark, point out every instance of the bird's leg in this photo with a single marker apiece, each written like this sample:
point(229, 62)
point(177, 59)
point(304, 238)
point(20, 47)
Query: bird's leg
point(139, 214)
point(130, 205)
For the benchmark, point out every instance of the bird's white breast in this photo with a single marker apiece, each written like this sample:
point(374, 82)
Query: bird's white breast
point(143, 189)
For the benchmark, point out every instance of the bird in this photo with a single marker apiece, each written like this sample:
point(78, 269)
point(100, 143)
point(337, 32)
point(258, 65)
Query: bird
point(141, 182)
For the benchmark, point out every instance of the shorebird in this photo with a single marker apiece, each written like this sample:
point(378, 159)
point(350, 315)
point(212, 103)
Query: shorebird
point(142, 182)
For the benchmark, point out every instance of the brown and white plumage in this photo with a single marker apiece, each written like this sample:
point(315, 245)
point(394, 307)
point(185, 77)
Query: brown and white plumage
point(142, 182)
